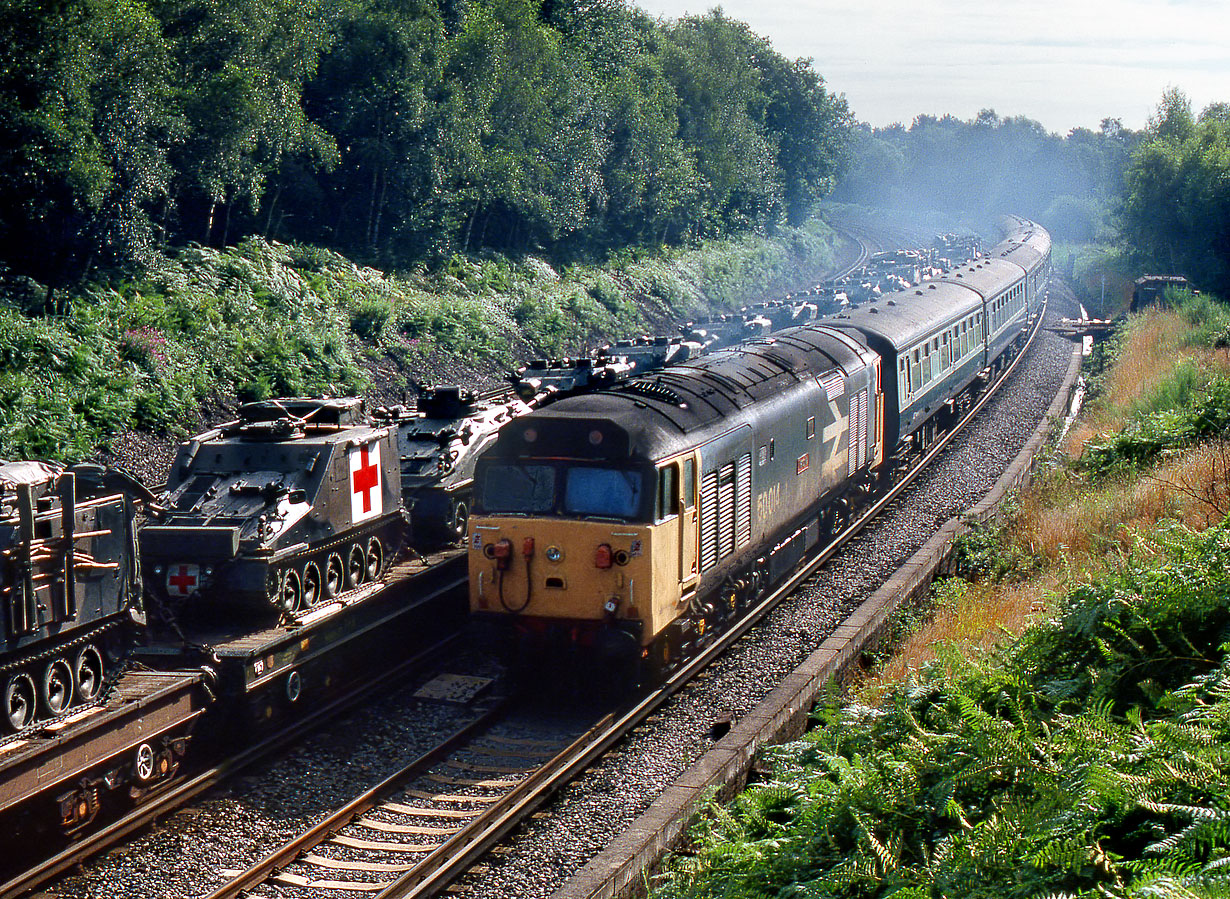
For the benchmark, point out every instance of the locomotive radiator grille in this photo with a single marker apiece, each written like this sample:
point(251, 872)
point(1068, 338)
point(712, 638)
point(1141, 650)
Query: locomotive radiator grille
point(858, 431)
point(743, 501)
point(726, 510)
point(708, 520)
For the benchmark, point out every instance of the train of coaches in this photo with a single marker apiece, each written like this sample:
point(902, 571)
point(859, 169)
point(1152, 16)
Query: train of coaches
point(626, 504)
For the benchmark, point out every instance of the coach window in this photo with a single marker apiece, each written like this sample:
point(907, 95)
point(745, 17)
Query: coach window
point(667, 492)
point(903, 377)
point(811, 427)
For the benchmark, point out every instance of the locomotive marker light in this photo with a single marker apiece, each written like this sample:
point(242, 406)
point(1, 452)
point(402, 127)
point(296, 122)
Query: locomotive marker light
point(554, 554)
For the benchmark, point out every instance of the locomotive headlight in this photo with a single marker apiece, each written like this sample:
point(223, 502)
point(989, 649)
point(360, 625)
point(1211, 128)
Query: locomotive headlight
point(157, 569)
point(554, 554)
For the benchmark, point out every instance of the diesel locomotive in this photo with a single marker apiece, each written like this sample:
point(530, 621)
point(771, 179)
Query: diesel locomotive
point(631, 523)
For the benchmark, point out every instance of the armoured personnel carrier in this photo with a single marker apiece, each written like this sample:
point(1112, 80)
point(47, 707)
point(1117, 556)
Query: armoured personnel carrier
point(69, 587)
point(295, 503)
point(438, 443)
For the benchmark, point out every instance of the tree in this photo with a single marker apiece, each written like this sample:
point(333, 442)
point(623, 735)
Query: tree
point(86, 122)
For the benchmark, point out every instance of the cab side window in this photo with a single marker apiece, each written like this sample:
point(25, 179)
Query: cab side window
point(668, 492)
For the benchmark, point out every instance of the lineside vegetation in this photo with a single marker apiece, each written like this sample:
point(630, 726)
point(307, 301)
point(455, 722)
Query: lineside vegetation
point(1062, 726)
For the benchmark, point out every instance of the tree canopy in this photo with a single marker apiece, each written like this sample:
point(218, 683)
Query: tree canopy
point(1176, 206)
point(397, 131)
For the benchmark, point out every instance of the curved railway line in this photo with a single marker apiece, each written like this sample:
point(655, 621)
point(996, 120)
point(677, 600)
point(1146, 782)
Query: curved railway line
point(445, 841)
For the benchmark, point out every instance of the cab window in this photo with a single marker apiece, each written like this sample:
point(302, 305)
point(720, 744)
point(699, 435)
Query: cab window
point(603, 492)
point(689, 483)
point(668, 492)
point(519, 488)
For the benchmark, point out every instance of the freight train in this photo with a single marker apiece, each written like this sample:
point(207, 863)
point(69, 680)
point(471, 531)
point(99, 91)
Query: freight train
point(630, 523)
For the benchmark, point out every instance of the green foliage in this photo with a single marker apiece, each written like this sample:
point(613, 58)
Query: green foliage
point(1088, 758)
point(1176, 210)
point(266, 319)
point(981, 167)
point(1186, 408)
point(986, 552)
point(242, 323)
point(400, 133)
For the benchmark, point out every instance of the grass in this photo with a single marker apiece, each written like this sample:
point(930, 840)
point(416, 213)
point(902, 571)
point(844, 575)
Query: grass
point(265, 319)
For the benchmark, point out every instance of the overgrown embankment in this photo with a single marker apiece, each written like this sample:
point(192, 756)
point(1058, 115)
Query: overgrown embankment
point(1090, 754)
point(262, 319)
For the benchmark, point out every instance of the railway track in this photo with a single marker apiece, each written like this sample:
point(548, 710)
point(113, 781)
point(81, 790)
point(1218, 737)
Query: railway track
point(416, 834)
point(177, 793)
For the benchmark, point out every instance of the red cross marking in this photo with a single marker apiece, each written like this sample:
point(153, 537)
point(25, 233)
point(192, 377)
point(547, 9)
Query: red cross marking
point(183, 580)
point(366, 478)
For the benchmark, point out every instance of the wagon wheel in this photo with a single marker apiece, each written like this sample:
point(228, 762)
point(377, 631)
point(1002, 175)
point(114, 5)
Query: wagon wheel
point(375, 559)
point(56, 687)
point(88, 671)
point(19, 701)
point(311, 585)
point(335, 575)
point(356, 564)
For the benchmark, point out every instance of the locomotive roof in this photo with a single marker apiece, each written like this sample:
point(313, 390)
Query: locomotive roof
point(654, 415)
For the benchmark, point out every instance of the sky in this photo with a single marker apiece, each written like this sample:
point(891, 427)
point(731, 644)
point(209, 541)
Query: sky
point(1065, 64)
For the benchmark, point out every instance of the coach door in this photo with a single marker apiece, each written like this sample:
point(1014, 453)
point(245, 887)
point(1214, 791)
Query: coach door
point(689, 525)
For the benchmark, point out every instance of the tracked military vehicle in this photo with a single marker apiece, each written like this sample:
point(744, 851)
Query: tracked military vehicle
point(438, 443)
point(294, 504)
point(69, 587)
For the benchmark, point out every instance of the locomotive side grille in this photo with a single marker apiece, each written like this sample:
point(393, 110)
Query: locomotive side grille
point(726, 510)
point(708, 520)
point(861, 402)
point(858, 432)
point(834, 385)
point(743, 501)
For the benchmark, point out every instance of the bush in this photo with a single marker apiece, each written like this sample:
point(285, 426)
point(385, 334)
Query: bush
point(1089, 758)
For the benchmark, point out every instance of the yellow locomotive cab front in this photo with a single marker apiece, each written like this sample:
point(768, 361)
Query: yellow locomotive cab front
point(589, 575)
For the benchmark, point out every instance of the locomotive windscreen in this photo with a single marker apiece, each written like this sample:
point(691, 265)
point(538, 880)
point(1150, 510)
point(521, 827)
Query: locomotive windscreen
point(606, 492)
point(586, 491)
point(519, 488)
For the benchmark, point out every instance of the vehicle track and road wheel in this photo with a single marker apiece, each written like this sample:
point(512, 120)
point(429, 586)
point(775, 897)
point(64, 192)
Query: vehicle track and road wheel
point(374, 560)
point(335, 575)
point(56, 687)
point(311, 585)
point(290, 595)
point(88, 673)
point(19, 701)
point(356, 565)
point(459, 520)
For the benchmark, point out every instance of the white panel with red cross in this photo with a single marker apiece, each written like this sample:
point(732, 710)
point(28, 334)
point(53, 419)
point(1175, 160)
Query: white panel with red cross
point(183, 580)
point(365, 487)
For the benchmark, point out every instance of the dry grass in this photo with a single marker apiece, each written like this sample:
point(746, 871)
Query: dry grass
point(1075, 529)
point(1153, 345)
point(978, 619)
